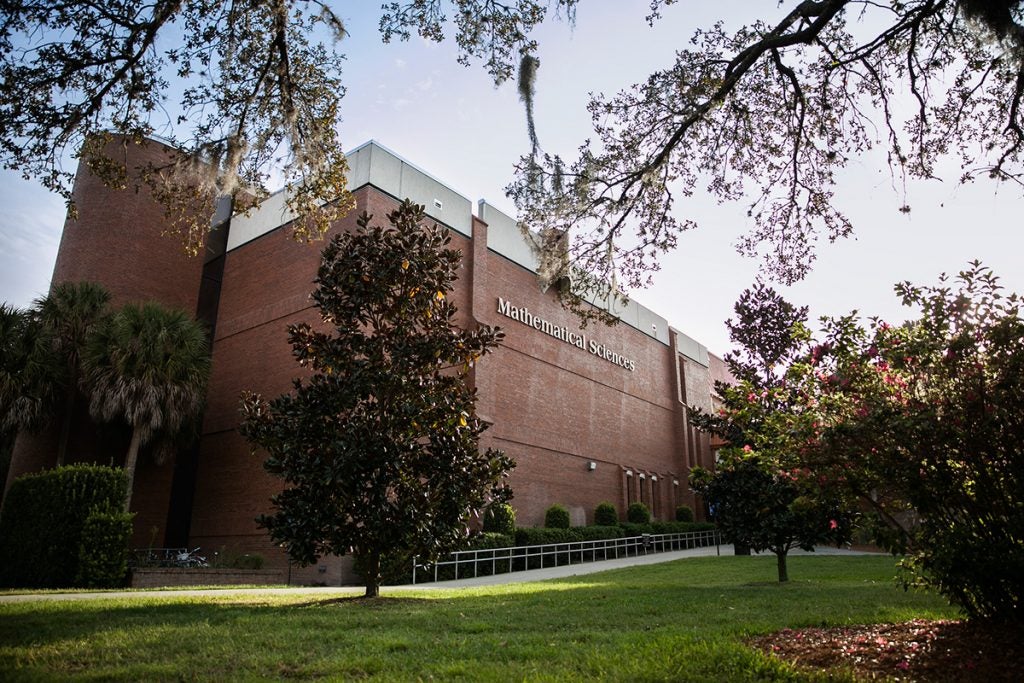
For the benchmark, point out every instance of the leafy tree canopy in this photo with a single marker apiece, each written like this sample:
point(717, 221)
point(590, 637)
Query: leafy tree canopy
point(761, 494)
point(768, 113)
point(378, 447)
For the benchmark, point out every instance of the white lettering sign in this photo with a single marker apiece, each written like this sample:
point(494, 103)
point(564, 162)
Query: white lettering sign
point(564, 334)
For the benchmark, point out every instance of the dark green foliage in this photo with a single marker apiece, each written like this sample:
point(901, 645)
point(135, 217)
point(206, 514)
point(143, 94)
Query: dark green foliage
point(638, 513)
point(247, 561)
point(229, 558)
point(556, 517)
point(684, 513)
point(70, 314)
point(31, 375)
point(42, 520)
point(103, 549)
point(605, 514)
point(489, 540)
point(500, 518)
point(760, 494)
point(544, 536)
point(681, 527)
point(378, 445)
point(764, 509)
point(147, 365)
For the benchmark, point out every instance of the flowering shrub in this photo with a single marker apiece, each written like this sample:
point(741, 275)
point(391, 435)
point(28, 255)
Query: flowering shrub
point(924, 424)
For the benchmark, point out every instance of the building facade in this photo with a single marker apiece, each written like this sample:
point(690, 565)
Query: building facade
point(589, 414)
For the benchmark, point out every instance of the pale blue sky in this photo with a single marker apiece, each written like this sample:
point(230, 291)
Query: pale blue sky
point(451, 121)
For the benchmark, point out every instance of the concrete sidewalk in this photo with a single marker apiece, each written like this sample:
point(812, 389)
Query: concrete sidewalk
point(341, 591)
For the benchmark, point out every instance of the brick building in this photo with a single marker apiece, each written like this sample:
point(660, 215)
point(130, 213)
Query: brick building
point(589, 415)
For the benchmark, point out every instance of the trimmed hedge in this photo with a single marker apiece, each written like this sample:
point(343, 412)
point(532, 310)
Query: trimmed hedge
point(605, 514)
point(489, 540)
point(103, 550)
point(43, 518)
point(500, 518)
point(638, 513)
point(557, 517)
point(544, 536)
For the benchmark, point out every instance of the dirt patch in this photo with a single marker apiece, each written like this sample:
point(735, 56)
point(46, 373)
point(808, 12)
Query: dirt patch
point(911, 651)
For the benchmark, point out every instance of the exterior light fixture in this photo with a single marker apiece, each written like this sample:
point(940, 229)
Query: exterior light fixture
point(643, 476)
point(629, 473)
point(591, 465)
point(654, 477)
point(675, 482)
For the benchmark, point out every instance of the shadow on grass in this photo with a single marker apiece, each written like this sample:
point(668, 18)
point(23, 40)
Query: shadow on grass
point(380, 602)
point(707, 595)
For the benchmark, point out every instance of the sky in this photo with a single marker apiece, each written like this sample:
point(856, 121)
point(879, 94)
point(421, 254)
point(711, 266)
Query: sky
point(451, 121)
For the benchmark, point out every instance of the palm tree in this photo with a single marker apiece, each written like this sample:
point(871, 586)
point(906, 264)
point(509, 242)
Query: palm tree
point(147, 365)
point(25, 385)
point(29, 374)
point(68, 313)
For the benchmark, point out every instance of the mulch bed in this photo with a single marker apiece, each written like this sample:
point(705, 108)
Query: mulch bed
point(912, 651)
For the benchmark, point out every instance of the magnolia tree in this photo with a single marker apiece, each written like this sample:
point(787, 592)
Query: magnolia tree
point(924, 422)
point(761, 495)
point(379, 447)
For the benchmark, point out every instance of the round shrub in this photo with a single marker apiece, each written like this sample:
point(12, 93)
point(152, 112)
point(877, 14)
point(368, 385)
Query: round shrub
point(556, 517)
point(605, 514)
point(638, 514)
point(500, 518)
point(684, 513)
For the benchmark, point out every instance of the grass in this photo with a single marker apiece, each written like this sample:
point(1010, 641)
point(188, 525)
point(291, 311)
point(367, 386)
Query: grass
point(682, 620)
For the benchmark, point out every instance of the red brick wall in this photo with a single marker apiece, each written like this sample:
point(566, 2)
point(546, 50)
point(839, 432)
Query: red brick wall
point(556, 407)
point(117, 239)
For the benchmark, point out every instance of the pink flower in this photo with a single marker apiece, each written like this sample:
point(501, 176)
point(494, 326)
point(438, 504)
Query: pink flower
point(833, 525)
point(747, 449)
point(903, 666)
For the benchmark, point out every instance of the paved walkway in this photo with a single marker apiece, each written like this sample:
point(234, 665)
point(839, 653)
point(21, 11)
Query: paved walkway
point(328, 591)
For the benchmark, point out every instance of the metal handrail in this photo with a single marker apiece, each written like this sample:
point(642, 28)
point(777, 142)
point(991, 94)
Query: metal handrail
point(518, 558)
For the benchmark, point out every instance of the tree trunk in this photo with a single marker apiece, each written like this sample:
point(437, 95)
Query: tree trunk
point(783, 573)
point(372, 575)
point(65, 427)
point(129, 465)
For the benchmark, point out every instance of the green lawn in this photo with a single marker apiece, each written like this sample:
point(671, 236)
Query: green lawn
point(683, 620)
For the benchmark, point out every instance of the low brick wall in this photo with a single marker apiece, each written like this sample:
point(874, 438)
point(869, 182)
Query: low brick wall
point(157, 577)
